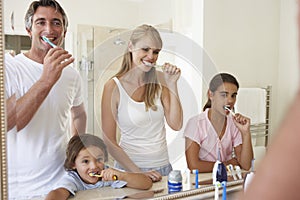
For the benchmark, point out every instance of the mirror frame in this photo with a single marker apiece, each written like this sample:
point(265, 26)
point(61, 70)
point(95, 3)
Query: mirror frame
point(3, 169)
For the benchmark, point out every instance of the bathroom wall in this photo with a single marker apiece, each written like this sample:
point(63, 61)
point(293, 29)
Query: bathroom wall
point(256, 41)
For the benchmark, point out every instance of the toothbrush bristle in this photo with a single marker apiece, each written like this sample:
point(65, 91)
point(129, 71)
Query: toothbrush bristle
point(48, 41)
point(227, 107)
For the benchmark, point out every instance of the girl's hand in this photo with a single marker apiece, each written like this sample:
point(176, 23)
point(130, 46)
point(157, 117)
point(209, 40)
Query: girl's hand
point(242, 123)
point(110, 174)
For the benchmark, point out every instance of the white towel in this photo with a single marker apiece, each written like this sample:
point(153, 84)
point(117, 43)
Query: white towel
point(251, 102)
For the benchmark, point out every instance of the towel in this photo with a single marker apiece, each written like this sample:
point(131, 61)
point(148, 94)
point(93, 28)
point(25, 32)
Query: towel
point(251, 102)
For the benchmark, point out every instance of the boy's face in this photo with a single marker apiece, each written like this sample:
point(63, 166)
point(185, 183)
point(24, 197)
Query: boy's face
point(89, 160)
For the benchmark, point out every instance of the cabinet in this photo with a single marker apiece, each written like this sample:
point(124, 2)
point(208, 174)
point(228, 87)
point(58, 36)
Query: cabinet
point(14, 13)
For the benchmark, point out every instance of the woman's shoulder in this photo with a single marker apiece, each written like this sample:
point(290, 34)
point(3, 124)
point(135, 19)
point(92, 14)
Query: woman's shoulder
point(110, 84)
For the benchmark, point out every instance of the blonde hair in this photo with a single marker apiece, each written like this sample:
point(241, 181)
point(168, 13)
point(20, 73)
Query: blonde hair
point(152, 87)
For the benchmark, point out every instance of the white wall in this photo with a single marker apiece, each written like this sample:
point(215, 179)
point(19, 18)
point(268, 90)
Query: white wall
point(256, 41)
point(288, 71)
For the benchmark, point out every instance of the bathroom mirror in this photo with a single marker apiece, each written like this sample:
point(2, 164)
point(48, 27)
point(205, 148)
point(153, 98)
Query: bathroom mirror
point(249, 38)
point(3, 175)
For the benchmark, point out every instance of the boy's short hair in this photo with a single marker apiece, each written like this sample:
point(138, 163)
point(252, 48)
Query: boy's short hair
point(79, 142)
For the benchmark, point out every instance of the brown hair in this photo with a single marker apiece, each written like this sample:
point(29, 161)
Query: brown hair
point(152, 86)
point(218, 80)
point(79, 142)
point(44, 3)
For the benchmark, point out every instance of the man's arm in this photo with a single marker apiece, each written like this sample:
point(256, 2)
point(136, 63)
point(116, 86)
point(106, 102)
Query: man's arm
point(20, 111)
point(78, 120)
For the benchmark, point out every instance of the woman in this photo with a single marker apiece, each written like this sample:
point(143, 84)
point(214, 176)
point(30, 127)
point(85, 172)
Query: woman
point(139, 99)
point(217, 132)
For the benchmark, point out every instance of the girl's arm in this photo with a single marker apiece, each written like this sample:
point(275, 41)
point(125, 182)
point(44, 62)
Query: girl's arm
point(192, 157)
point(134, 180)
point(170, 97)
point(58, 194)
point(244, 152)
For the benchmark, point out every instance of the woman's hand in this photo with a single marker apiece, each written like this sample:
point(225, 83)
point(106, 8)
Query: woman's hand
point(171, 73)
point(153, 175)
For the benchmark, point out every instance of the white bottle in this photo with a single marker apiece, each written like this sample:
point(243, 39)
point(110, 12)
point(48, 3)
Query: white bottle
point(248, 180)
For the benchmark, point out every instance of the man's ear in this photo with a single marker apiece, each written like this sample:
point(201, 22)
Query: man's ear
point(29, 33)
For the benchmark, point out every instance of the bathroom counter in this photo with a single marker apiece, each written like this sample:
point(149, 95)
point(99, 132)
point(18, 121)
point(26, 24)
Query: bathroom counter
point(159, 190)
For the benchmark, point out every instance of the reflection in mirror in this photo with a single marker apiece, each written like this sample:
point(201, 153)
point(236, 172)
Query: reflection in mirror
point(221, 28)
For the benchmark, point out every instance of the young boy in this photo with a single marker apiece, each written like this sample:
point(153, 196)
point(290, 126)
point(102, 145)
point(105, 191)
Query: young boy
point(85, 158)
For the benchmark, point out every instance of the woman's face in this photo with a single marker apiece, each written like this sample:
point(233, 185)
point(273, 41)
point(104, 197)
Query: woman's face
point(89, 160)
point(144, 53)
point(225, 95)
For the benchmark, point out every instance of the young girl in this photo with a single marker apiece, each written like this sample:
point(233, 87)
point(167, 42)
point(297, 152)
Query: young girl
point(217, 132)
point(85, 157)
point(138, 100)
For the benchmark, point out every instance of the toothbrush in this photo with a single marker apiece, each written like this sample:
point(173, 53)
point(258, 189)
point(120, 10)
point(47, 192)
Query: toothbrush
point(238, 171)
point(227, 108)
point(148, 64)
point(48, 41)
point(196, 172)
point(94, 174)
point(115, 177)
point(219, 177)
point(224, 190)
point(216, 183)
point(231, 170)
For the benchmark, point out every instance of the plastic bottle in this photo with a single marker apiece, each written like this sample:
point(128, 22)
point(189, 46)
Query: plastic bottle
point(174, 181)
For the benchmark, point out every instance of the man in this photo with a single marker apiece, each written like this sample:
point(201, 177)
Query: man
point(47, 93)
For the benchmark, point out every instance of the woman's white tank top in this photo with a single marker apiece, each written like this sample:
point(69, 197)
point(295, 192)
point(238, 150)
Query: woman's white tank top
point(143, 133)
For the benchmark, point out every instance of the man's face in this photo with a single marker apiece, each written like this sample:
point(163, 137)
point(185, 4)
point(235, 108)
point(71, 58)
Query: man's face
point(46, 22)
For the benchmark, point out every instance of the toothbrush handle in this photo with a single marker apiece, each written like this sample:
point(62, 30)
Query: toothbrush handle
point(224, 190)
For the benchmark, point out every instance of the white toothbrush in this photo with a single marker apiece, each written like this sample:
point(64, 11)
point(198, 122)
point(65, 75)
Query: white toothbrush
point(48, 41)
point(238, 171)
point(231, 111)
point(148, 64)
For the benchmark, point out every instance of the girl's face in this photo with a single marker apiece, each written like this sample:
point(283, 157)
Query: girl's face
point(225, 95)
point(89, 160)
point(144, 53)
